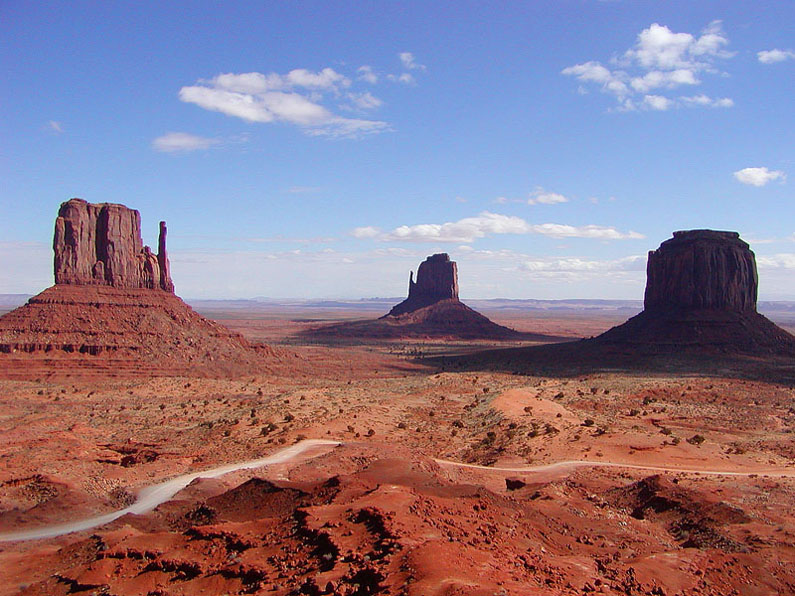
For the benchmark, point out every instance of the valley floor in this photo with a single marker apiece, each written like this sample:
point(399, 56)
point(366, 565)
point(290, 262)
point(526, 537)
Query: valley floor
point(380, 514)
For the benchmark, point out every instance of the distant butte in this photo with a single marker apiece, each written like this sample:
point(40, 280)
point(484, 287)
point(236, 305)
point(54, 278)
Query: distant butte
point(112, 309)
point(431, 310)
point(437, 280)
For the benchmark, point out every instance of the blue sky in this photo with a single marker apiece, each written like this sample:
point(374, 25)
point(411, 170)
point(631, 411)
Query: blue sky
point(321, 149)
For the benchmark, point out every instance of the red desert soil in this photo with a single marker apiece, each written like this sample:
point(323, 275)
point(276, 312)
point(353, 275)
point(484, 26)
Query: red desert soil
point(379, 514)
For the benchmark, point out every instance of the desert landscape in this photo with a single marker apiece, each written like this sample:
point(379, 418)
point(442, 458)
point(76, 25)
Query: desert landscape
point(397, 298)
point(148, 450)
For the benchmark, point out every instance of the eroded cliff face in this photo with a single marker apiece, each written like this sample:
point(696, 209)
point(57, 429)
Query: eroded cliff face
point(701, 270)
point(437, 280)
point(100, 244)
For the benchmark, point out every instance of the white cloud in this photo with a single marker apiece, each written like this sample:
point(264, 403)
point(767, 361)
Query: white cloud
point(406, 78)
point(365, 232)
point(543, 197)
point(660, 60)
point(469, 229)
point(773, 56)
point(632, 263)
point(365, 101)
point(408, 61)
point(594, 72)
point(589, 231)
point(704, 100)
point(670, 79)
point(367, 74)
point(656, 102)
point(777, 261)
point(325, 79)
point(660, 48)
point(182, 142)
point(758, 176)
point(55, 126)
point(293, 98)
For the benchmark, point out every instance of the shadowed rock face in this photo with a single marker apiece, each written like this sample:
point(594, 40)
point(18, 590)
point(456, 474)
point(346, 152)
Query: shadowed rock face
point(701, 269)
point(701, 294)
point(437, 280)
point(100, 244)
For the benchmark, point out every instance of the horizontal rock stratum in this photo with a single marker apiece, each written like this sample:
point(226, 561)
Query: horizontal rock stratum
point(100, 244)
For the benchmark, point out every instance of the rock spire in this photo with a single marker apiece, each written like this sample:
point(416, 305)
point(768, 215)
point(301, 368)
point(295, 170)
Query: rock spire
point(100, 244)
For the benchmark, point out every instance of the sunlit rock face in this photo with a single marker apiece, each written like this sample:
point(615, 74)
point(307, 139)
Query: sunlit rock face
point(100, 244)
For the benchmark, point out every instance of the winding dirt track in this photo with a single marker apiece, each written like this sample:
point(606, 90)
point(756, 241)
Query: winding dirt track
point(152, 496)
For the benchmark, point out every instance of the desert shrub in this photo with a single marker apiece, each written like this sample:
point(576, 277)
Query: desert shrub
point(696, 439)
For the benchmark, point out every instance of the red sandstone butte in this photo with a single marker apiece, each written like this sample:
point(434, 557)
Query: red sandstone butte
point(437, 280)
point(100, 244)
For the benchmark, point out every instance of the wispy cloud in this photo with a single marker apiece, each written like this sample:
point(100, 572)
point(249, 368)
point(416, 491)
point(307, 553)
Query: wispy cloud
point(776, 261)
point(367, 74)
point(409, 62)
point(364, 101)
point(470, 229)
point(543, 197)
point(365, 232)
point(182, 142)
point(55, 126)
point(294, 98)
point(773, 56)
point(643, 77)
point(632, 263)
point(539, 196)
point(406, 78)
point(758, 176)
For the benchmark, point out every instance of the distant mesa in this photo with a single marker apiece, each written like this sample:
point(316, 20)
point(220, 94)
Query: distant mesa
point(432, 310)
point(701, 290)
point(101, 245)
point(114, 299)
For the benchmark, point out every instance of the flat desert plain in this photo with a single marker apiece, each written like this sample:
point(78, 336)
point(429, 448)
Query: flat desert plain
point(394, 469)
